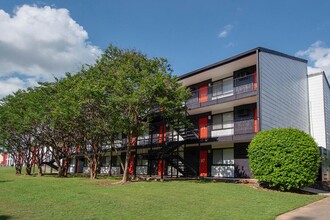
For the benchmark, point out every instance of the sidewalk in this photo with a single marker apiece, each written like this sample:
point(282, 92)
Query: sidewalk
point(319, 210)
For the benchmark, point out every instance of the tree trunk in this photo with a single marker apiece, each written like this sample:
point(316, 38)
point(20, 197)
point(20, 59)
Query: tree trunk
point(93, 168)
point(60, 172)
point(39, 170)
point(66, 167)
point(18, 163)
point(127, 159)
point(28, 169)
point(62, 168)
point(18, 168)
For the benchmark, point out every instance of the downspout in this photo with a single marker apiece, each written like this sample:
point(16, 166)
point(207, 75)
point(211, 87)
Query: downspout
point(258, 90)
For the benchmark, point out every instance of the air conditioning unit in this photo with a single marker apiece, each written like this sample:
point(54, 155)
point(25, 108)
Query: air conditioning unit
point(325, 164)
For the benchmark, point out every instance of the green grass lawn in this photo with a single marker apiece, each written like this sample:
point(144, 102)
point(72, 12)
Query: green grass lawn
point(49, 197)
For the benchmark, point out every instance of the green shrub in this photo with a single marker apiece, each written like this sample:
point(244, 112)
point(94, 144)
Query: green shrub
point(284, 158)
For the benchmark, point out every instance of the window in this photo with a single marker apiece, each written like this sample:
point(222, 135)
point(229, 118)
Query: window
point(222, 87)
point(194, 96)
point(223, 121)
point(217, 157)
point(228, 156)
point(217, 88)
point(141, 160)
point(105, 161)
point(228, 85)
point(244, 114)
point(223, 156)
point(115, 161)
point(228, 120)
point(217, 122)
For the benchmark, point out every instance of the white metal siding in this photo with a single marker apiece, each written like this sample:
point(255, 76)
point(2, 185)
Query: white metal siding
point(283, 93)
point(316, 108)
point(326, 93)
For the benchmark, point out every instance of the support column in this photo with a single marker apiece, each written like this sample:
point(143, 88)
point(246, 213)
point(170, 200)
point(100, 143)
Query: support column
point(110, 165)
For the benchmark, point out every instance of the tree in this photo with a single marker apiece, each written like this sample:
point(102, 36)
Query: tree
point(284, 158)
point(15, 129)
point(58, 127)
point(95, 118)
point(138, 87)
point(86, 111)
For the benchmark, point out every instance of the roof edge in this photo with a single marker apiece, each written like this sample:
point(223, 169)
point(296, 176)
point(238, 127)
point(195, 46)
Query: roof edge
point(237, 57)
point(262, 49)
point(320, 73)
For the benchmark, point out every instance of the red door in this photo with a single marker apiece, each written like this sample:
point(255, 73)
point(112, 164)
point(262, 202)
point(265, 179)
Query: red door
point(203, 93)
point(131, 164)
point(255, 120)
point(133, 141)
point(161, 167)
point(255, 80)
point(162, 134)
point(4, 162)
point(203, 131)
point(203, 163)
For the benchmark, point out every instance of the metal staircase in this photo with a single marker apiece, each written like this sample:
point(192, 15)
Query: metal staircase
point(181, 165)
point(51, 164)
point(169, 149)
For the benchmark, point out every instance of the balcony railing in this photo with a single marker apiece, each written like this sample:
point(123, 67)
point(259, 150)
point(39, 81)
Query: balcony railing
point(242, 87)
point(204, 132)
point(208, 131)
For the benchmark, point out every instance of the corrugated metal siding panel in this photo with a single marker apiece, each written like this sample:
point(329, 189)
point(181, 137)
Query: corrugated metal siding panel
point(327, 111)
point(283, 95)
point(316, 108)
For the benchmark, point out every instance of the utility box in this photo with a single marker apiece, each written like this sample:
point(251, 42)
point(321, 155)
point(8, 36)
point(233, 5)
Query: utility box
point(325, 164)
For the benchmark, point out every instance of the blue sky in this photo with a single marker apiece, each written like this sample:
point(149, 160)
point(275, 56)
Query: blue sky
point(190, 34)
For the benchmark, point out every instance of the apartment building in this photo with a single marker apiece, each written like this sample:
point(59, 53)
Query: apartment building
point(235, 98)
point(2, 159)
point(232, 100)
point(319, 104)
point(6, 159)
point(319, 110)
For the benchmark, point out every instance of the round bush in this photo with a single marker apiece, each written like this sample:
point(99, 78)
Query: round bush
point(284, 158)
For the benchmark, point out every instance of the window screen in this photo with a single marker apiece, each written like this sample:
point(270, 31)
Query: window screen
point(228, 156)
point(228, 85)
point(217, 157)
point(217, 122)
point(217, 88)
point(228, 120)
point(223, 156)
point(223, 121)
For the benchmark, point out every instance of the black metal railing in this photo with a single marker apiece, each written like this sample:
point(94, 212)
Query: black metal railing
point(241, 86)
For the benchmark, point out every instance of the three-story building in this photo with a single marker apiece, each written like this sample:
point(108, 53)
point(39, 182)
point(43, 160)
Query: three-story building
point(232, 100)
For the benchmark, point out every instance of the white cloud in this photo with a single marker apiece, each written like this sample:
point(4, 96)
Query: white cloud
point(319, 55)
point(12, 84)
point(41, 43)
point(226, 30)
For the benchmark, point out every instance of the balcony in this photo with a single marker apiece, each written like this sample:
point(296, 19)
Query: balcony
point(241, 87)
point(238, 130)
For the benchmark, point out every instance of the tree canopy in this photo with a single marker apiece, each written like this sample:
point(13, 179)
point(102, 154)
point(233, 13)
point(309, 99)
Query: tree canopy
point(84, 112)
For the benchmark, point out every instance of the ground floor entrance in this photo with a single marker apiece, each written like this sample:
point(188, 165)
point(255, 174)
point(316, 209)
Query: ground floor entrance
point(213, 160)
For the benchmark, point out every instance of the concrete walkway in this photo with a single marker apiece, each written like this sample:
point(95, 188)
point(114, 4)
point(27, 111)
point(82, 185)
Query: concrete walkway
point(319, 210)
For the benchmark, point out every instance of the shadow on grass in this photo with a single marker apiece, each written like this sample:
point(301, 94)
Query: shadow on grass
point(5, 181)
point(5, 217)
point(79, 175)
